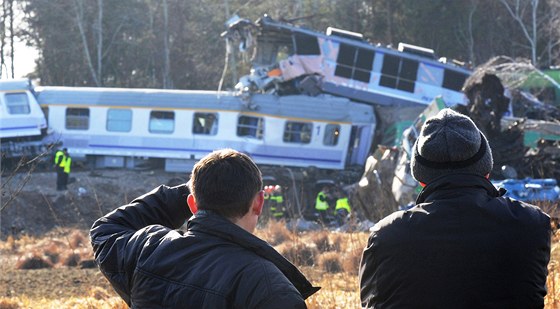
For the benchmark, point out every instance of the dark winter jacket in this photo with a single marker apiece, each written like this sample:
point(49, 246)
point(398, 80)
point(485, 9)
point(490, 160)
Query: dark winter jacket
point(214, 264)
point(461, 246)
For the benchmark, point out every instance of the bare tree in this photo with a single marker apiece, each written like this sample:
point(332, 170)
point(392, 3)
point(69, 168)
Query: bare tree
point(517, 10)
point(99, 30)
point(167, 83)
point(3, 37)
point(465, 33)
point(553, 31)
point(79, 10)
point(12, 36)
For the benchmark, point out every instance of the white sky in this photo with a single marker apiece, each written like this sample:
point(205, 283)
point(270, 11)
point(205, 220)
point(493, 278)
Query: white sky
point(24, 60)
point(24, 56)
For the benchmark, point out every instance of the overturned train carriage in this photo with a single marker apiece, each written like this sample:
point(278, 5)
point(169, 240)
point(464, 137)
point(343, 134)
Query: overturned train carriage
point(398, 82)
point(120, 127)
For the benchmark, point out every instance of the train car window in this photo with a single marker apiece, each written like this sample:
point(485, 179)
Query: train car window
point(297, 132)
point(389, 71)
point(332, 131)
point(119, 120)
point(398, 73)
point(205, 123)
point(17, 103)
point(407, 75)
point(248, 126)
point(453, 80)
point(306, 44)
point(354, 63)
point(162, 122)
point(77, 118)
point(429, 74)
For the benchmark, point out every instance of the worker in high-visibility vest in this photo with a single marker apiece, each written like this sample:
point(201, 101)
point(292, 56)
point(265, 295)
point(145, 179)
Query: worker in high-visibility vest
point(59, 167)
point(342, 209)
point(277, 209)
point(66, 165)
point(322, 204)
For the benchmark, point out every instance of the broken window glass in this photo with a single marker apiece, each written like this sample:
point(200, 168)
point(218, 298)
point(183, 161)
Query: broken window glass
point(205, 123)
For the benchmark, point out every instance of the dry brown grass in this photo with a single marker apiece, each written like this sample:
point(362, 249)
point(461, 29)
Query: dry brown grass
point(68, 248)
point(34, 260)
point(299, 253)
point(10, 303)
point(275, 232)
point(330, 260)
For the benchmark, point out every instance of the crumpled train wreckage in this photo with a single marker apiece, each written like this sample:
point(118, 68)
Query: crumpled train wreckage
point(523, 132)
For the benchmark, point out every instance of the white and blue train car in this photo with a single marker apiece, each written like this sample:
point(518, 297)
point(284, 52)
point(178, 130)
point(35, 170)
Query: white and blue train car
point(22, 122)
point(19, 114)
point(114, 127)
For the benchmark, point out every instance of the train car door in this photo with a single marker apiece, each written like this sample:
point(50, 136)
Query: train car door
point(358, 145)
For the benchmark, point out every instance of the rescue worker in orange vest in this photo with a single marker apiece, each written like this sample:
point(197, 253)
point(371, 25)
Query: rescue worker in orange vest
point(59, 168)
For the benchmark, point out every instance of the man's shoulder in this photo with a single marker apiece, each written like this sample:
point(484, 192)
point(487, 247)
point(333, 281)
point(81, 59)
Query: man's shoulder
point(523, 212)
point(390, 224)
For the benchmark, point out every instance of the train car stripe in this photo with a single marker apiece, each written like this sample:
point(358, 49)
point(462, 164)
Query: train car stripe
point(255, 155)
point(18, 128)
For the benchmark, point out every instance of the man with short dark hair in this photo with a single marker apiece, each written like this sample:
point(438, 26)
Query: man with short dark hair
point(216, 263)
point(463, 245)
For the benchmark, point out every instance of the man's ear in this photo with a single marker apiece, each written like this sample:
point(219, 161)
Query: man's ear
point(192, 204)
point(258, 203)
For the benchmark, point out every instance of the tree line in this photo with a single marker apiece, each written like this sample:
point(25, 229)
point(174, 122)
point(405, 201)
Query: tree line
point(177, 43)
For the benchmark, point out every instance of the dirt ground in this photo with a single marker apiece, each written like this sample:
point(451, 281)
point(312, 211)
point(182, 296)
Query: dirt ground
point(35, 210)
point(37, 207)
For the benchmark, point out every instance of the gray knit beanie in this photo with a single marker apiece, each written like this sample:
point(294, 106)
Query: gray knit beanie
point(450, 143)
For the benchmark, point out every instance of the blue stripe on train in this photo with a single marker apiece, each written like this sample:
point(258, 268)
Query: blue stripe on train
point(256, 155)
point(17, 128)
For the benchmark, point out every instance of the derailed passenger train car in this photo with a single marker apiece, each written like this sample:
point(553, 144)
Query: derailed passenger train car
point(22, 123)
point(111, 127)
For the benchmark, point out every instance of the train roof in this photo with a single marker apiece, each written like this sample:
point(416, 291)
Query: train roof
point(323, 107)
point(271, 28)
point(16, 84)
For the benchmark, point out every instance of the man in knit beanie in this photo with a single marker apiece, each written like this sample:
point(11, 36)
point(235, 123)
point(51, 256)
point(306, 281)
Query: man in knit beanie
point(463, 245)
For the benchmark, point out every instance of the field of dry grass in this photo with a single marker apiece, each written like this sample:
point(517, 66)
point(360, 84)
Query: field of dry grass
point(54, 271)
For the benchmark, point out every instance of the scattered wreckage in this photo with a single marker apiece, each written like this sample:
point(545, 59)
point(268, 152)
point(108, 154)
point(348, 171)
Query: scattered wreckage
point(389, 87)
point(526, 151)
point(405, 86)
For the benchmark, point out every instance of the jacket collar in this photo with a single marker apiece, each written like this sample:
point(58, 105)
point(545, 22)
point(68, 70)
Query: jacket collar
point(209, 222)
point(458, 181)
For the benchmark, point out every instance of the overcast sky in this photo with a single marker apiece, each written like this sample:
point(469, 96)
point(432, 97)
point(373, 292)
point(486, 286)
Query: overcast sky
point(24, 57)
point(24, 60)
